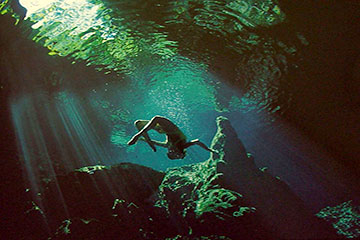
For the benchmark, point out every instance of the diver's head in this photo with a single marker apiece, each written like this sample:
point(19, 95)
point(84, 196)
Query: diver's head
point(176, 154)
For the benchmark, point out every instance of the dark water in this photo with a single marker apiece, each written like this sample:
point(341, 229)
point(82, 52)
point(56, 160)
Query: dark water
point(190, 61)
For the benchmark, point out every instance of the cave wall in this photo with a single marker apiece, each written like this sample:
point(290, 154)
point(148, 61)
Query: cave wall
point(326, 99)
point(12, 186)
point(24, 66)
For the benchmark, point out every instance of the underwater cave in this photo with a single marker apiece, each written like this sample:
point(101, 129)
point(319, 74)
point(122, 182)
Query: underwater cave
point(271, 87)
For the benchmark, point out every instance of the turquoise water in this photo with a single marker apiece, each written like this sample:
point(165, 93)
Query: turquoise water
point(189, 61)
point(149, 75)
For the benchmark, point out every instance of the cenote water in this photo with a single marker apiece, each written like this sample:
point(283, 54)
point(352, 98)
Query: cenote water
point(77, 124)
point(109, 63)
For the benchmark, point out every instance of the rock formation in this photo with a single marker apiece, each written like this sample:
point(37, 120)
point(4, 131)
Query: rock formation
point(279, 209)
point(225, 197)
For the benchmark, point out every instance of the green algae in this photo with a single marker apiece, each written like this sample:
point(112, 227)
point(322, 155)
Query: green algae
point(344, 217)
point(204, 195)
point(201, 191)
point(91, 169)
point(65, 227)
point(243, 210)
point(3, 4)
point(6, 9)
point(212, 237)
point(35, 207)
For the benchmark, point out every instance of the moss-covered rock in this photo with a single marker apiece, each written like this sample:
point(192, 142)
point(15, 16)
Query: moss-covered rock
point(229, 190)
point(95, 192)
point(279, 209)
point(344, 217)
point(225, 197)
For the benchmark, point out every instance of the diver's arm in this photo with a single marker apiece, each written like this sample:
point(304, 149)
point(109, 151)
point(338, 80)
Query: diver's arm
point(150, 125)
point(160, 144)
point(197, 142)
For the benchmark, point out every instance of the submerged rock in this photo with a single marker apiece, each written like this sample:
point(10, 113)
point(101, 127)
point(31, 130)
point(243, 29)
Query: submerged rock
point(93, 194)
point(231, 192)
point(225, 197)
point(280, 210)
point(344, 217)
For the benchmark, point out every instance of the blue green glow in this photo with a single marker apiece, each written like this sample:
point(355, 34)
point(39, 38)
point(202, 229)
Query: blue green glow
point(90, 123)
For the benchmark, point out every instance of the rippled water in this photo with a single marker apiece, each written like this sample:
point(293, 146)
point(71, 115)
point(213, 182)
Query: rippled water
point(126, 36)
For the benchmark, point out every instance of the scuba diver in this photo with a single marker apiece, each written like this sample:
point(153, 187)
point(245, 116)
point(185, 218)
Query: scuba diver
point(175, 139)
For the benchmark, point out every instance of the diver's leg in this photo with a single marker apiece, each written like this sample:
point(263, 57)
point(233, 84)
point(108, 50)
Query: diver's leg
point(140, 124)
point(197, 142)
point(150, 125)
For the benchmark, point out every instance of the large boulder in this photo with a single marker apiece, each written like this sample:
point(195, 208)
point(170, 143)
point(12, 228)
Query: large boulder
point(95, 200)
